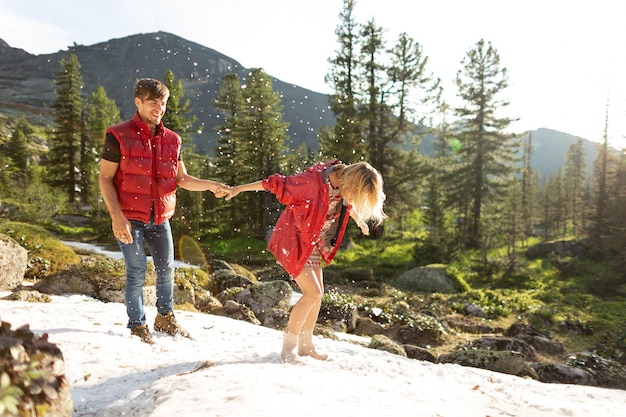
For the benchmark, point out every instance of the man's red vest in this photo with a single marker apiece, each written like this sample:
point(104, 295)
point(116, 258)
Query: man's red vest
point(146, 177)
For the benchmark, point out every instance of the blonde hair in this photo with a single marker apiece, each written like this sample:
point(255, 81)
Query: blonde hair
point(362, 185)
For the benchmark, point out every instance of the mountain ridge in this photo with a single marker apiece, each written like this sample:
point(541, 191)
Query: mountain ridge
point(26, 87)
point(27, 80)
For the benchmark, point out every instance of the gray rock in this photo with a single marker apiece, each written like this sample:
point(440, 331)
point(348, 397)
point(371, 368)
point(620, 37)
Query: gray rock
point(29, 296)
point(562, 374)
point(382, 342)
point(13, 263)
point(262, 298)
point(340, 311)
point(368, 327)
point(427, 279)
point(419, 353)
point(506, 362)
point(229, 278)
point(238, 311)
point(503, 344)
point(560, 248)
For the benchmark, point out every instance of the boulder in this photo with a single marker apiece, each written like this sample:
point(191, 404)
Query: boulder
point(238, 311)
point(339, 311)
point(426, 333)
point(562, 374)
point(276, 319)
point(560, 248)
point(606, 372)
point(229, 278)
point(544, 344)
point(13, 263)
point(28, 296)
point(264, 297)
point(541, 342)
point(506, 362)
point(429, 279)
point(67, 282)
point(206, 303)
point(382, 342)
point(503, 344)
point(419, 353)
point(367, 327)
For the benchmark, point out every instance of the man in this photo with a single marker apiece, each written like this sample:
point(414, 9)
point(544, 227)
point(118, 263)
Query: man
point(140, 170)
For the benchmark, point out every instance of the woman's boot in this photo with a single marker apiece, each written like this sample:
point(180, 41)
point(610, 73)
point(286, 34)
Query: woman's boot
point(305, 345)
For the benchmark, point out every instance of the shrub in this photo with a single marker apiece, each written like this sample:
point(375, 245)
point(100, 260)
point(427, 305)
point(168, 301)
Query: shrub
point(31, 374)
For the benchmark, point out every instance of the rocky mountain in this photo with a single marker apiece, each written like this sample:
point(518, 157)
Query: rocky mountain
point(26, 81)
point(549, 148)
point(26, 87)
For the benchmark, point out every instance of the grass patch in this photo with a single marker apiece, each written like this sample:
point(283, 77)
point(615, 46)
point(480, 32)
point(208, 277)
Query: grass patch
point(379, 255)
point(46, 254)
point(242, 250)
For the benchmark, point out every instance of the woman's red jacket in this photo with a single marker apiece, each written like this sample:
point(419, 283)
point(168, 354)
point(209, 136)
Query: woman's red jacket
point(298, 228)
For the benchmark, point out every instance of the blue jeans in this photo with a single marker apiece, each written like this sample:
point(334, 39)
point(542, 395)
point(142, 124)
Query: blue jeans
point(158, 239)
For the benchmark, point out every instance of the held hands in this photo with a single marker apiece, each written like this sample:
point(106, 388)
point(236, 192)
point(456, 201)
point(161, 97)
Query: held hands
point(232, 192)
point(226, 191)
point(221, 191)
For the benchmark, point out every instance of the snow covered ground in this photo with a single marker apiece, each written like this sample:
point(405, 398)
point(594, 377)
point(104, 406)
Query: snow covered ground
point(232, 368)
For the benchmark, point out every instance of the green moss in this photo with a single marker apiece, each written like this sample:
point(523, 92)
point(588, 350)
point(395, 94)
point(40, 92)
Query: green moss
point(46, 254)
point(196, 275)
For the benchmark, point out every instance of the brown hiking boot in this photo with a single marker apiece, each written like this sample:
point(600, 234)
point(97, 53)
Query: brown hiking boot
point(166, 323)
point(143, 333)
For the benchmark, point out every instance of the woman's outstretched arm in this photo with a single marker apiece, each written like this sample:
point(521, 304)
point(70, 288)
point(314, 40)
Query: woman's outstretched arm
point(253, 186)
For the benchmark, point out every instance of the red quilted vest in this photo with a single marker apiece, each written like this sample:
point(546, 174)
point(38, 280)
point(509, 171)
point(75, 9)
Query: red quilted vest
point(146, 177)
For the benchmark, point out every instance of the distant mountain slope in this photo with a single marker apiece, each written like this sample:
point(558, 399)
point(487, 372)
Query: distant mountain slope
point(26, 81)
point(26, 87)
point(549, 149)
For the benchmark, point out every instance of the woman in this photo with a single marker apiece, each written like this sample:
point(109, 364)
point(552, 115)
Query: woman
point(310, 229)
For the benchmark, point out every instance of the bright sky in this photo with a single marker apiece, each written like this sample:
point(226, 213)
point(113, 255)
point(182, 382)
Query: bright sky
point(565, 58)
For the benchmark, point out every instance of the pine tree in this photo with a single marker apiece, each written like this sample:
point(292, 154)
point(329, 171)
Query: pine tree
point(604, 170)
point(374, 111)
point(487, 152)
point(17, 147)
point(65, 144)
point(554, 201)
point(102, 112)
point(231, 104)
point(228, 161)
point(344, 141)
point(264, 147)
point(528, 189)
point(397, 120)
point(618, 208)
point(178, 116)
point(575, 178)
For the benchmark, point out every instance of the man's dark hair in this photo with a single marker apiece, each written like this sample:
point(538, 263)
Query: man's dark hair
point(149, 89)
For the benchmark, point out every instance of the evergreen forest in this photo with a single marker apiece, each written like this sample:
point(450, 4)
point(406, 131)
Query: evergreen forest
point(476, 206)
